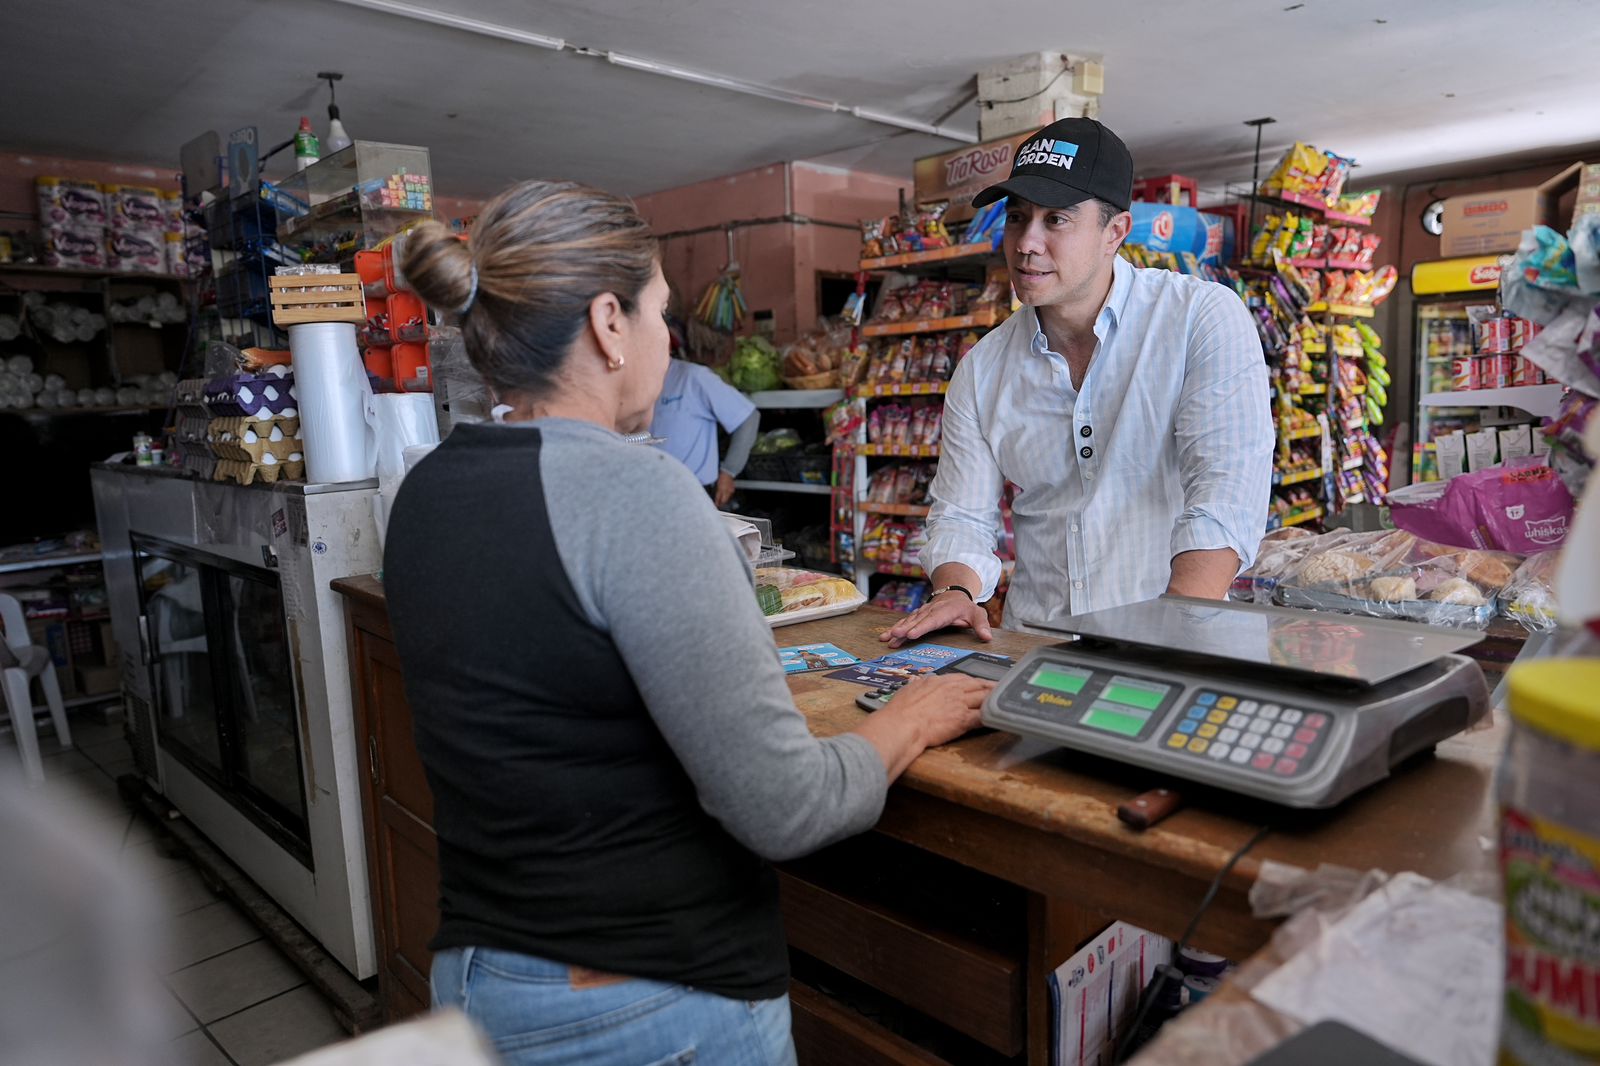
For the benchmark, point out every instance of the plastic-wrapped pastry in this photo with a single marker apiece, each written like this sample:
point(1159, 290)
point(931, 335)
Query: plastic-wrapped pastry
point(1393, 589)
point(1458, 590)
point(1334, 568)
point(1487, 569)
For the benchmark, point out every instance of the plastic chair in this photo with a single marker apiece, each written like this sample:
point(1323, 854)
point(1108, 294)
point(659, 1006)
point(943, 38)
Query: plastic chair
point(20, 663)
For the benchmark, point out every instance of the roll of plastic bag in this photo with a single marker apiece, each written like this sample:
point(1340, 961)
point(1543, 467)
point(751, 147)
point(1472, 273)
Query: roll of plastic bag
point(404, 420)
point(337, 416)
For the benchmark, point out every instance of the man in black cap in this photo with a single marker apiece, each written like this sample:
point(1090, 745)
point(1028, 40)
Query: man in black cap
point(1129, 407)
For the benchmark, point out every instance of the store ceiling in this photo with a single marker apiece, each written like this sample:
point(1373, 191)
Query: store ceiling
point(1397, 83)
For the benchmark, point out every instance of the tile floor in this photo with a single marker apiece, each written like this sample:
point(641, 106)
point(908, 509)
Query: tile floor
point(229, 996)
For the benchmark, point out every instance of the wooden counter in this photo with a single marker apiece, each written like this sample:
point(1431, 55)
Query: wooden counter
point(995, 858)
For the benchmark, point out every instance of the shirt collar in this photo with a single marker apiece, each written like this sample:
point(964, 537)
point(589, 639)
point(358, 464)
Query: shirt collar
point(1116, 302)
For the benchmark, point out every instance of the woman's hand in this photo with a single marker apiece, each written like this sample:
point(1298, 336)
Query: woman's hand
point(950, 609)
point(926, 713)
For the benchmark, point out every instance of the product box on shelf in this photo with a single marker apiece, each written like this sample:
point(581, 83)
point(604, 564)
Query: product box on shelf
point(1478, 223)
point(137, 251)
point(960, 175)
point(74, 247)
point(134, 207)
point(65, 202)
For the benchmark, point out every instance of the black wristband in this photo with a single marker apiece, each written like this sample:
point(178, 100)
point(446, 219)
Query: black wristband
point(954, 588)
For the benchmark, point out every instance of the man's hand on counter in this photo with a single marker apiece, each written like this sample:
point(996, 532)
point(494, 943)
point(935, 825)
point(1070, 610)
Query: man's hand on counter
point(949, 609)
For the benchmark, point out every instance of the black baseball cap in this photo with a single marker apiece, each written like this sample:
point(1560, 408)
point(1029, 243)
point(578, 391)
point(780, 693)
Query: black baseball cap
point(1067, 163)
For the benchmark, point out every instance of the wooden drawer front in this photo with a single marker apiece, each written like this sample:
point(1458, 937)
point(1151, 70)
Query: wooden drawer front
point(400, 774)
point(827, 1034)
point(967, 986)
point(411, 894)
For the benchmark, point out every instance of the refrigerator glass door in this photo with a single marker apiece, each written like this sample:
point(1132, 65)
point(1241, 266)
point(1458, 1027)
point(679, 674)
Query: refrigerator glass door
point(172, 592)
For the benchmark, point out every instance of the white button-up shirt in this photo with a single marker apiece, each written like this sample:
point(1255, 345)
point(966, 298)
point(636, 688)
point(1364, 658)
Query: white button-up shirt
point(1166, 448)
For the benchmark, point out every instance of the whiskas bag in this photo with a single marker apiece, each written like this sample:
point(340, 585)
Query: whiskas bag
point(1521, 507)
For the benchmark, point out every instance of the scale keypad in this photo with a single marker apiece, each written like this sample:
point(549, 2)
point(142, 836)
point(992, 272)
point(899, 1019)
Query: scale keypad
point(1229, 729)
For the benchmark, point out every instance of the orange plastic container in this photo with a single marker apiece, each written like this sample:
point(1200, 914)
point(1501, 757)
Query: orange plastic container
point(379, 362)
point(412, 370)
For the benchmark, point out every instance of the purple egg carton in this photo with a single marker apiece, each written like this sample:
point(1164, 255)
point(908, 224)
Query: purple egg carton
point(255, 396)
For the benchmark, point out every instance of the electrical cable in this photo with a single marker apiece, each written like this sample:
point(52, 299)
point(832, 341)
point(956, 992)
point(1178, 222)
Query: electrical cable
point(1030, 96)
point(1167, 974)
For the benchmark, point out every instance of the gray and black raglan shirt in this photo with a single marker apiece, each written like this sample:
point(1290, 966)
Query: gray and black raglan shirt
point(612, 749)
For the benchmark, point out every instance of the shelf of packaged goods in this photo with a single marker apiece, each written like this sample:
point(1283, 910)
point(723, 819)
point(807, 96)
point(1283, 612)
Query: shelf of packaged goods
point(916, 388)
point(783, 486)
point(1297, 477)
point(1313, 390)
point(788, 399)
point(1355, 463)
point(1539, 400)
point(1303, 434)
point(908, 510)
point(11, 565)
point(900, 451)
point(1303, 517)
point(1347, 310)
point(976, 320)
point(937, 255)
point(345, 204)
point(1348, 220)
point(91, 275)
point(1296, 199)
point(899, 569)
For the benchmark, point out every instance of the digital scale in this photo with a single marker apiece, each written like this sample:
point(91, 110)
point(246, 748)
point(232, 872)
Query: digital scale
point(1287, 705)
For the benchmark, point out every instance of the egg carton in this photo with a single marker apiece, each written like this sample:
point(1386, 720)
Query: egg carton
point(202, 463)
point(244, 439)
point(262, 397)
point(243, 471)
point(190, 392)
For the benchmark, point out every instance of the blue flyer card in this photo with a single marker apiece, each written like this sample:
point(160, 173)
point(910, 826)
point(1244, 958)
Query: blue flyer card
point(901, 665)
point(804, 657)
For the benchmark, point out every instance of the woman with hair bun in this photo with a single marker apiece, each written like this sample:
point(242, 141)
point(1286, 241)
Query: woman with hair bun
point(612, 748)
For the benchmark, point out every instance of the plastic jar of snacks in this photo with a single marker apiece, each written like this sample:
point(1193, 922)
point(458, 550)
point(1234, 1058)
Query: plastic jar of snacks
point(1549, 793)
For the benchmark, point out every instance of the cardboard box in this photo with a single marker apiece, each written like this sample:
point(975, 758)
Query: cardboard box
point(1588, 191)
point(95, 680)
point(1481, 223)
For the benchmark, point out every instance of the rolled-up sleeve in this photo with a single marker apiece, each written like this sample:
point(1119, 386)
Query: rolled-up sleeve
point(964, 521)
point(1224, 433)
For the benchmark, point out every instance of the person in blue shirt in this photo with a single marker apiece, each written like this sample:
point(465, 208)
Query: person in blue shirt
point(694, 402)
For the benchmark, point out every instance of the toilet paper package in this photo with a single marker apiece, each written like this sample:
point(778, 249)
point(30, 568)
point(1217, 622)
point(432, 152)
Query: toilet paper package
point(63, 202)
point(338, 417)
point(74, 247)
point(134, 207)
point(172, 212)
point(137, 251)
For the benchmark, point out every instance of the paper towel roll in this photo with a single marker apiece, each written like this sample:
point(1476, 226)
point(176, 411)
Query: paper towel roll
point(337, 421)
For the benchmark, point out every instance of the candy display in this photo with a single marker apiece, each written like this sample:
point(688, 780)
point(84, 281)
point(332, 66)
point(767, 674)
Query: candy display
point(918, 229)
point(893, 541)
point(412, 192)
point(905, 425)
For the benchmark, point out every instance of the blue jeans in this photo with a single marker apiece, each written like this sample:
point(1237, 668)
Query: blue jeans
point(535, 1017)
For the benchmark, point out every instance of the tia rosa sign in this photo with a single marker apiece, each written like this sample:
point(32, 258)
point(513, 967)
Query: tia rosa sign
point(960, 175)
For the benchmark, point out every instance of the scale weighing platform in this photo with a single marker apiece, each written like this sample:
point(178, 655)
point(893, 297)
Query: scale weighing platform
point(1295, 707)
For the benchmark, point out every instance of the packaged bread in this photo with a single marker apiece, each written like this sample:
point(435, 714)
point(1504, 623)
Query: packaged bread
point(783, 590)
point(1396, 575)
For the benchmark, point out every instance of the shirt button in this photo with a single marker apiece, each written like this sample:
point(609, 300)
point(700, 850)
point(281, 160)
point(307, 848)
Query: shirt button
point(1085, 431)
point(1086, 451)
point(1088, 475)
point(1077, 584)
point(1074, 527)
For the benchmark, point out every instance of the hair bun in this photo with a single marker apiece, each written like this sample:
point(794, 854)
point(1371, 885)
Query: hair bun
point(437, 266)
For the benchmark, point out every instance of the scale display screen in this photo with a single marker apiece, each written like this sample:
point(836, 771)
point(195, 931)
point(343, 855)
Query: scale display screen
point(1131, 693)
point(1060, 679)
point(1124, 720)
